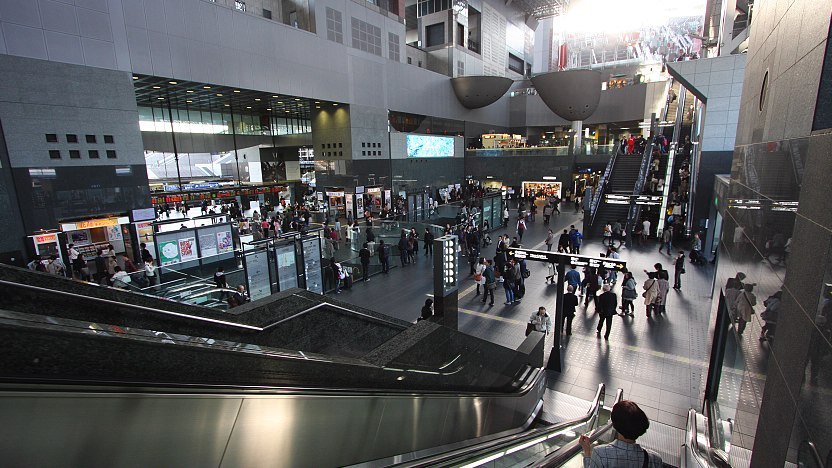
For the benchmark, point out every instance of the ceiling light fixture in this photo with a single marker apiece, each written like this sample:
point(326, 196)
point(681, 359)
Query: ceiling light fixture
point(206, 87)
point(227, 105)
point(297, 99)
point(268, 109)
point(188, 100)
point(236, 90)
point(172, 82)
point(257, 99)
point(219, 94)
point(275, 96)
point(161, 98)
point(157, 87)
point(248, 107)
point(135, 77)
point(189, 91)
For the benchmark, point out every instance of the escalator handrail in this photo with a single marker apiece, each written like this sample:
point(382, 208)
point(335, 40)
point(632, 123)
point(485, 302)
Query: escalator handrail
point(503, 443)
point(568, 451)
point(191, 316)
point(597, 196)
point(813, 453)
point(638, 188)
point(132, 306)
point(706, 456)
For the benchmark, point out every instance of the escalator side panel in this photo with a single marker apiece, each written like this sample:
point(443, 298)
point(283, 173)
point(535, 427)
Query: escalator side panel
point(115, 431)
point(160, 429)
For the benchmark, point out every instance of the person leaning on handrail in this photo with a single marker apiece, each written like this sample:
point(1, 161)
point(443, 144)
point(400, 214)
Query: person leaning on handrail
point(630, 423)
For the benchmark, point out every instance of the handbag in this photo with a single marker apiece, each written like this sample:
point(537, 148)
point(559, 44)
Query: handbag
point(529, 328)
point(644, 294)
point(477, 277)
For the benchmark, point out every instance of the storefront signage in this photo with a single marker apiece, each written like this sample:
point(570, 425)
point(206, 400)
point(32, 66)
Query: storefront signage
point(46, 239)
point(335, 194)
point(359, 189)
point(373, 189)
point(94, 223)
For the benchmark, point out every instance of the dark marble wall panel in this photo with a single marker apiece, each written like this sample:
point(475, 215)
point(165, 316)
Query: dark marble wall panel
point(12, 246)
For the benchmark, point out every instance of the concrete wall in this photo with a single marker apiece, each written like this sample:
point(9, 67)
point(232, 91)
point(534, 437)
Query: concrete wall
point(616, 105)
point(208, 42)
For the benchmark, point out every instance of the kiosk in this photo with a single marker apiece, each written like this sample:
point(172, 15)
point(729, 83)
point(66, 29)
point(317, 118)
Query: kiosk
point(374, 202)
point(91, 234)
point(336, 201)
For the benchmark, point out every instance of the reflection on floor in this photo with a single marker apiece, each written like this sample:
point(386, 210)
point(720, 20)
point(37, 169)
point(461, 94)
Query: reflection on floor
point(660, 363)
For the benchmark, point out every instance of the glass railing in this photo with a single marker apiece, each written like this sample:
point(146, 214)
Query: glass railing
point(529, 447)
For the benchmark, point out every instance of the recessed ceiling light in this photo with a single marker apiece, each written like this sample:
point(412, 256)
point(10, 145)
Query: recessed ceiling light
point(227, 105)
point(297, 99)
point(334, 103)
point(188, 100)
point(135, 77)
point(189, 91)
point(172, 82)
point(219, 94)
point(275, 96)
point(248, 107)
point(161, 98)
point(206, 87)
point(317, 107)
point(287, 112)
point(236, 90)
point(268, 109)
point(257, 99)
point(157, 87)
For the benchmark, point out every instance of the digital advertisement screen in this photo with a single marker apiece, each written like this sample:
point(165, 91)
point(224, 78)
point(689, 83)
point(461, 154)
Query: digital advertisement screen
point(426, 146)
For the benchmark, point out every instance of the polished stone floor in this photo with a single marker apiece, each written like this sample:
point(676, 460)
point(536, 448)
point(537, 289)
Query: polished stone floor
point(660, 363)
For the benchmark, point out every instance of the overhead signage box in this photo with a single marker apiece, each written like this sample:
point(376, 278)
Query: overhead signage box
point(574, 260)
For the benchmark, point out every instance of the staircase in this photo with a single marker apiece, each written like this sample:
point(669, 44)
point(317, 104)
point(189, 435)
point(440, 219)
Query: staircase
point(622, 180)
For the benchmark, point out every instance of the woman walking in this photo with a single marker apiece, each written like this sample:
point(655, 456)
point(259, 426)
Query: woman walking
point(628, 295)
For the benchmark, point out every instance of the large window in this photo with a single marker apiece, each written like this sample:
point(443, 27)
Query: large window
point(435, 35)
point(515, 63)
point(334, 26)
point(393, 46)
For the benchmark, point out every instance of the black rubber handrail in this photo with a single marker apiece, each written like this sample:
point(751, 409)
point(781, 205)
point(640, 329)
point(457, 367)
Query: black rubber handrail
point(570, 450)
point(487, 449)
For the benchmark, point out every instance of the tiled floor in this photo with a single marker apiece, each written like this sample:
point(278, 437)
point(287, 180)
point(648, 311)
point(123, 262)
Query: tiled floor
point(660, 363)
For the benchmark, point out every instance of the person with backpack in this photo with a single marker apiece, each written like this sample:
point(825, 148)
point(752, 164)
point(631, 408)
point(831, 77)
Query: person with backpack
point(384, 256)
point(521, 227)
point(508, 283)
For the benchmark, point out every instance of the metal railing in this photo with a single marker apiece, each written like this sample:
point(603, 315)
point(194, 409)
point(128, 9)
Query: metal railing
point(573, 449)
point(534, 440)
point(599, 192)
point(638, 188)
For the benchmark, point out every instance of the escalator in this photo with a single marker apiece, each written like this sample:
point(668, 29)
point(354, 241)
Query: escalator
point(623, 176)
point(94, 376)
point(555, 445)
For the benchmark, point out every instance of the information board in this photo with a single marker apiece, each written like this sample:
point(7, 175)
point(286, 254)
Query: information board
point(257, 271)
point(574, 260)
point(287, 268)
point(312, 265)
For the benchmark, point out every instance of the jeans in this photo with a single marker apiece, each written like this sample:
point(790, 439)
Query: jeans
point(509, 292)
point(404, 258)
point(678, 278)
point(567, 321)
point(385, 265)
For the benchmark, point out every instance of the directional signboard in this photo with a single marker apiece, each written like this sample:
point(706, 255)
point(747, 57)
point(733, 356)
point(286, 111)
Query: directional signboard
point(644, 200)
point(561, 260)
point(574, 260)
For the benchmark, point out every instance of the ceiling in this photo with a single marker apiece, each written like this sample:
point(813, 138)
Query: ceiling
point(540, 8)
point(154, 91)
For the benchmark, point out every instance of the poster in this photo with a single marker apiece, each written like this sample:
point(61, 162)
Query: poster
point(225, 243)
point(207, 244)
point(114, 233)
point(169, 252)
point(359, 206)
point(349, 204)
point(187, 249)
point(79, 237)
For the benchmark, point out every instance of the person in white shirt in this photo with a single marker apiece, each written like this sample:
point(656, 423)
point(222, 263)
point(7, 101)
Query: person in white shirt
point(120, 278)
point(645, 229)
point(541, 321)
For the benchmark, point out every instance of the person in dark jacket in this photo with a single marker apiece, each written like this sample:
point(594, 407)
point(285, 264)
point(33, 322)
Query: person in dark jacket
point(428, 241)
point(563, 242)
point(490, 282)
point(427, 310)
point(371, 236)
point(384, 256)
point(608, 302)
point(364, 254)
point(403, 250)
point(570, 302)
point(679, 270)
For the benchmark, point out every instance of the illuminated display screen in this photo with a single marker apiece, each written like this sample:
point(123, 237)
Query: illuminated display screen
point(426, 146)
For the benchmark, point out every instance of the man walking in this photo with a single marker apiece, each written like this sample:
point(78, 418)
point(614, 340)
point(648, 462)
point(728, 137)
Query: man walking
point(384, 256)
point(364, 254)
point(570, 302)
point(667, 240)
point(608, 302)
point(679, 270)
point(575, 240)
point(490, 282)
point(564, 241)
point(428, 240)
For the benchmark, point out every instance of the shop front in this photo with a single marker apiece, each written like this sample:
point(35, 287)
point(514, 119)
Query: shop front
point(92, 234)
point(374, 201)
point(541, 189)
point(45, 244)
point(503, 140)
point(337, 202)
